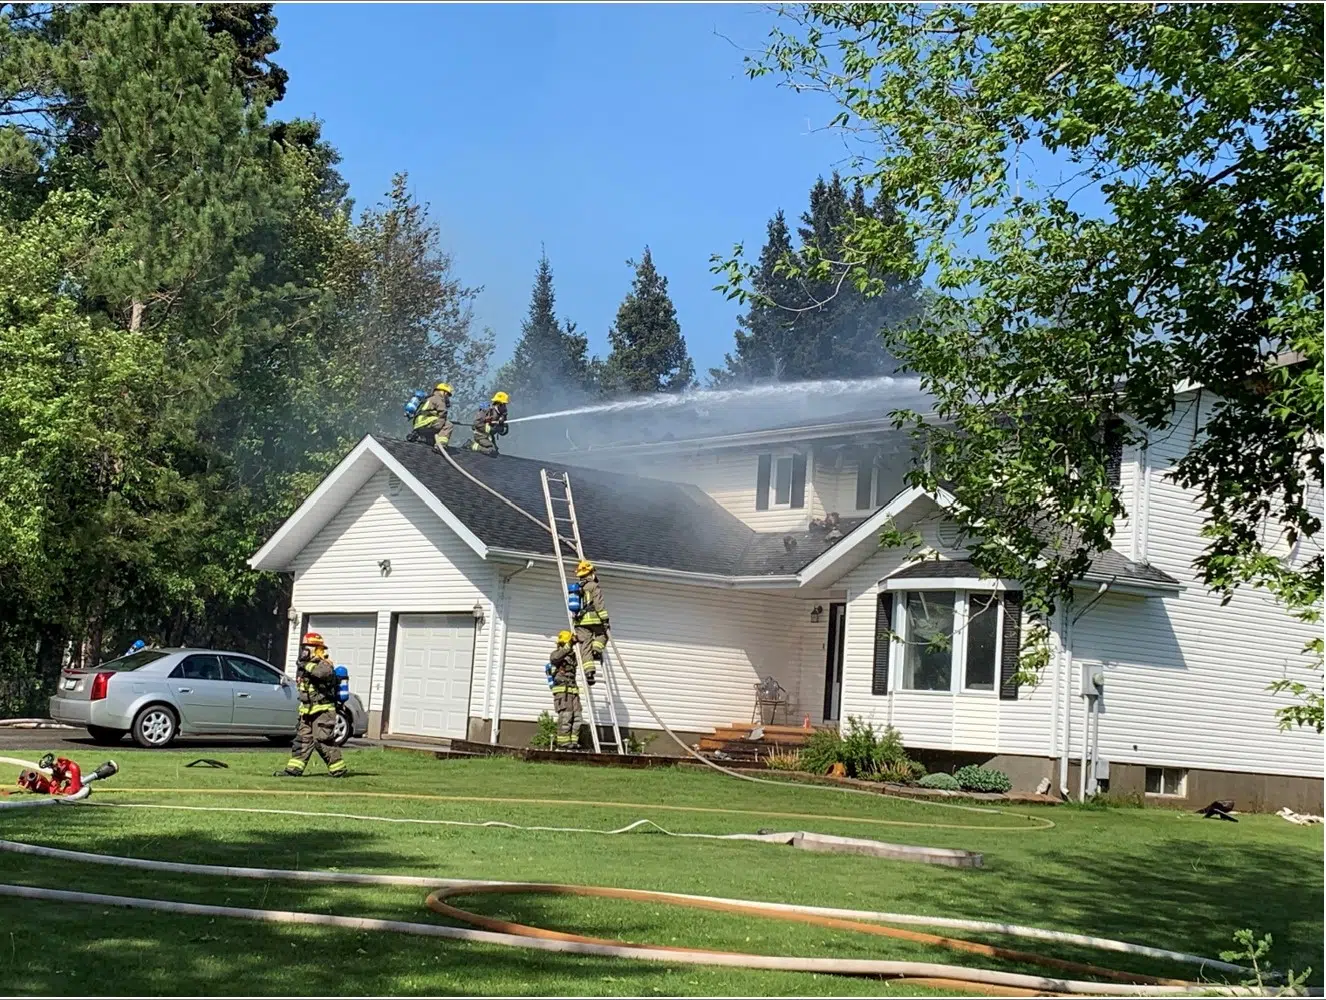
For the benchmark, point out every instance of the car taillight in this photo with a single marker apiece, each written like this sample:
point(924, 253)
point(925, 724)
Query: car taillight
point(99, 685)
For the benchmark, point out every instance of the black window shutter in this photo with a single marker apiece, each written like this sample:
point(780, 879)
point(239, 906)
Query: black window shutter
point(1114, 432)
point(798, 481)
point(762, 483)
point(864, 473)
point(1011, 654)
point(879, 678)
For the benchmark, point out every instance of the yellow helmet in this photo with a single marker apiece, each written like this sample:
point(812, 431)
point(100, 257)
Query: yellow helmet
point(501, 397)
point(443, 387)
point(584, 567)
point(563, 637)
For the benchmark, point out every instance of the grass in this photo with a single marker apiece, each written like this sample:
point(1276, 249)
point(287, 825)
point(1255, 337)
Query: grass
point(1163, 878)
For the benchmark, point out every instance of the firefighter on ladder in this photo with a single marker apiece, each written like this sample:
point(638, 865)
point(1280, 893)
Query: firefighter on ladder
point(561, 672)
point(316, 682)
point(591, 619)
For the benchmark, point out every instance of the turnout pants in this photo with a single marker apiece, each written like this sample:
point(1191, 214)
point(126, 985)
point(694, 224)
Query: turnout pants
point(592, 640)
point(438, 434)
point(315, 734)
point(567, 705)
point(483, 441)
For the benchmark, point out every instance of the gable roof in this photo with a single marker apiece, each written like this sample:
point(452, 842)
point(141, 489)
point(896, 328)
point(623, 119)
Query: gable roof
point(625, 521)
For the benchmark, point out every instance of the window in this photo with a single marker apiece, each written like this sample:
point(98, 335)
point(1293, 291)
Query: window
point(242, 670)
point(134, 660)
point(783, 482)
point(199, 667)
point(1167, 781)
point(927, 661)
point(953, 640)
point(780, 481)
point(870, 483)
point(982, 642)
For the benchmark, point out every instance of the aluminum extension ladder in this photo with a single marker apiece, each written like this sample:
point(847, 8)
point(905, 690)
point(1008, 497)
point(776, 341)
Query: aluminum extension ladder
point(557, 492)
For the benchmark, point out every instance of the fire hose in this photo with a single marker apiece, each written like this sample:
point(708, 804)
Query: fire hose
point(526, 936)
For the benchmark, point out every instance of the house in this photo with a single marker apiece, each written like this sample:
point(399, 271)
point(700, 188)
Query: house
point(702, 514)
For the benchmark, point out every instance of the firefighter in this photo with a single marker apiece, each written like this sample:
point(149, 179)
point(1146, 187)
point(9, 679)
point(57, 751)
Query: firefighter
point(591, 621)
point(316, 681)
point(490, 423)
point(431, 423)
point(561, 672)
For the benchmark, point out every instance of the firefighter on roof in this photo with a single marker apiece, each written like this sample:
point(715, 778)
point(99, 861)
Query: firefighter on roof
point(316, 681)
point(561, 672)
point(431, 423)
point(489, 424)
point(591, 618)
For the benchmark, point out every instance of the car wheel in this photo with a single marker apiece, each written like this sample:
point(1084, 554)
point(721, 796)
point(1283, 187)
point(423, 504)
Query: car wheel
point(281, 739)
point(155, 727)
point(341, 735)
point(105, 737)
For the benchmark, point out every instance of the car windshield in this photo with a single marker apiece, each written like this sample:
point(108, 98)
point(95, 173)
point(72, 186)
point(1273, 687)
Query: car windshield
point(134, 660)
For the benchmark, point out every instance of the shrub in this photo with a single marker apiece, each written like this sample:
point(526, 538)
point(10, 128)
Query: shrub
point(941, 780)
point(545, 733)
point(783, 760)
point(982, 779)
point(822, 749)
point(637, 744)
point(902, 772)
point(863, 753)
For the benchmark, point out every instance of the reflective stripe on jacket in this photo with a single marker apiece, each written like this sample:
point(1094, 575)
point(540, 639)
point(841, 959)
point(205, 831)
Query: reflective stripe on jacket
point(563, 662)
point(433, 411)
point(316, 683)
point(592, 609)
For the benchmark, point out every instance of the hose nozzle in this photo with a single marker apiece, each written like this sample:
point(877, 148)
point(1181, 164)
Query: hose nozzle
point(105, 771)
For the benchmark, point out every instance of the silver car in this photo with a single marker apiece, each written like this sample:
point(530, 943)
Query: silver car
point(158, 694)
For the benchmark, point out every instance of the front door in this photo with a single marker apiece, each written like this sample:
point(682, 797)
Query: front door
point(833, 662)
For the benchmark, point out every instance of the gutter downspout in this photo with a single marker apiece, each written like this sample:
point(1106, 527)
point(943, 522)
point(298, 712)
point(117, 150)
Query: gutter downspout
point(1058, 681)
point(1088, 709)
point(1066, 706)
point(504, 597)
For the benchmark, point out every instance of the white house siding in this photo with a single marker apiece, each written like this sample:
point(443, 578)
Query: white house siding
point(977, 722)
point(1185, 677)
point(695, 652)
point(432, 570)
point(730, 478)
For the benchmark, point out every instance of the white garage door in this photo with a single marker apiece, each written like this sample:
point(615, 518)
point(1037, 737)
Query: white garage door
point(350, 640)
point(430, 682)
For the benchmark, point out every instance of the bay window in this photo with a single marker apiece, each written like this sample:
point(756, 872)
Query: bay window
point(953, 641)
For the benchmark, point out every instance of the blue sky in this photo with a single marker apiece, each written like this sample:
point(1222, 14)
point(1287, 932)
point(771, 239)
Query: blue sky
point(592, 129)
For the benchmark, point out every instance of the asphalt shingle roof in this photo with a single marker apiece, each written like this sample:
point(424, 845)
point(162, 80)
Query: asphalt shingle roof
point(643, 522)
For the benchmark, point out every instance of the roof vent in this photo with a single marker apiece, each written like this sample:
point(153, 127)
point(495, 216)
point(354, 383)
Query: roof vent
point(393, 483)
point(948, 535)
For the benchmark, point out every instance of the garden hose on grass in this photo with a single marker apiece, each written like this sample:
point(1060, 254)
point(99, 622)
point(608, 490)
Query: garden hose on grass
point(512, 934)
point(524, 936)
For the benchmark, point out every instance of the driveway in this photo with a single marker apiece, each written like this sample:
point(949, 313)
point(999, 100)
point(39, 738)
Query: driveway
point(58, 740)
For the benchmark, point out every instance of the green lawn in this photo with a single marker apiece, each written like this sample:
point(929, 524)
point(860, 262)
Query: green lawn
point(1168, 879)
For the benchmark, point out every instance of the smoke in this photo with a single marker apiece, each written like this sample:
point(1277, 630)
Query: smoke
point(705, 413)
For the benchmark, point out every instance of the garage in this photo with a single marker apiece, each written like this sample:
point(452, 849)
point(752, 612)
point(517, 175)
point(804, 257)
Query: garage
point(350, 640)
point(430, 681)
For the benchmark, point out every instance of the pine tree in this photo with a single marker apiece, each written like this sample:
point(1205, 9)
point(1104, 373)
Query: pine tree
point(648, 351)
point(766, 333)
point(813, 329)
point(550, 367)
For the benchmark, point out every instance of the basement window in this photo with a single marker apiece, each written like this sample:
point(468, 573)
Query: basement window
point(1167, 782)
